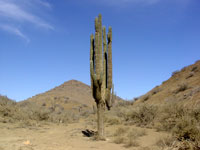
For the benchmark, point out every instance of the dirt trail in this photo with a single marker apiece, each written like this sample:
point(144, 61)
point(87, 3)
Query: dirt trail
point(62, 137)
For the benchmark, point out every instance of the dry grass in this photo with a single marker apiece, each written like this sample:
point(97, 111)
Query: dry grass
point(121, 131)
point(180, 120)
point(30, 113)
point(131, 143)
point(168, 141)
point(127, 136)
point(181, 87)
point(112, 120)
point(187, 128)
point(119, 140)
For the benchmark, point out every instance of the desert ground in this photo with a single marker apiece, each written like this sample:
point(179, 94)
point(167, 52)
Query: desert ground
point(48, 136)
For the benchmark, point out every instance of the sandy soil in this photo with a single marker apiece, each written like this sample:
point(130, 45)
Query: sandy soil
point(65, 137)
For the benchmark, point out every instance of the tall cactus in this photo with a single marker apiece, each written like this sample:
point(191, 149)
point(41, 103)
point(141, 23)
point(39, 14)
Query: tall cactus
point(101, 71)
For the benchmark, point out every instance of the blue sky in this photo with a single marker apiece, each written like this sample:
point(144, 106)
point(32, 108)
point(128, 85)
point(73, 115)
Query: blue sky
point(44, 43)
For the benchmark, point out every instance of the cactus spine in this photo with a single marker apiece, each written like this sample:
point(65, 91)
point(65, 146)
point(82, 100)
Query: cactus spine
point(101, 71)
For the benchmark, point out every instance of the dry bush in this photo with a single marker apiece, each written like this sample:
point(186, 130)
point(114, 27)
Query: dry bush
point(30, 113)
point(156, 90)
point(194, 68)
point(142, 115)
point(188, 145)
point(187, 129)
point(121, 131)
point(181, 87)
point(131, 142)
point(119, 135)
point(171, 143)
point(7, 109)
point(127, 137)
point(175, 72)
point(124, 103)
point(168, 116)
point(168, 141)
point(136, 133)
point(119, 140)
point(145, 97)
point(112, 120)
point(182, 121)
point(194, 91)
point(191, 74)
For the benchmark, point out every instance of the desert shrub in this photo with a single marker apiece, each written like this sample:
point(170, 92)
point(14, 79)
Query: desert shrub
point(169, 114)
point(85, 113)
point(4, 100)
point(170, 99)
point(7, 109)
point(31, 110)
point(156, 90)
point(121, 131)
point(191, 74)
point(175, 72)
point(188, 145)
point(131, 142)
point(142, 114)
point(194, 91)
point(195, 113)
point(112, 120)
point(145, 97)
point(171, 143)
point(135, 98)
point(181, 87)
point(137, 133)
point(194, 68)
point(124, 103)
point(44, 104)
point(127, 137)
point(64, 117)
point(168, 141)
point(119, 140)
point(119, 135)
point(186, 129)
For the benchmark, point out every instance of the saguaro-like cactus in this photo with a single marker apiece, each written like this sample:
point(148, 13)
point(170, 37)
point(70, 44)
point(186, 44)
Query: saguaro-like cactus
point(101, 71)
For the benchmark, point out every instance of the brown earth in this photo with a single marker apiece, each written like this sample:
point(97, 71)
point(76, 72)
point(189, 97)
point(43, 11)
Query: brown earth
point(69, 94)
point(66, 137)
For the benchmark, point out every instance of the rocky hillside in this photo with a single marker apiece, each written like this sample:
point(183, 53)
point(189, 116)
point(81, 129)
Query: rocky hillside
point(182, 87)
point(69, 94)
point(72, 94)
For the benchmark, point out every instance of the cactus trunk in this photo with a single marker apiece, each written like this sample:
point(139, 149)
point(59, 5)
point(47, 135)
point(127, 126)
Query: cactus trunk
point(101, 71)
point(100, 120)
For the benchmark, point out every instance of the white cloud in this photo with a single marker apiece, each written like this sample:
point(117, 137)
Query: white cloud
point(14, 30)
point(44, 3)
point(21, 12)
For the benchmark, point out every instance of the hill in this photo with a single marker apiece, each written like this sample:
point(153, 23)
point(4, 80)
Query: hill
point(182, 87)
point(70, 94)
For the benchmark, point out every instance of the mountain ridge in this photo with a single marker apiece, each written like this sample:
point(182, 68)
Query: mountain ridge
point(183, 86)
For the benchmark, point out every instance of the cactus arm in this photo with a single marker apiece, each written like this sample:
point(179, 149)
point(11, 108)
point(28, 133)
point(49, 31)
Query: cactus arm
point(110, 58)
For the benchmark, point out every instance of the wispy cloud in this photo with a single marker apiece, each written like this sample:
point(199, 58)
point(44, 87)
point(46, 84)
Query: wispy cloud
point(14, 30)
point(44, 3)
point(21, 12)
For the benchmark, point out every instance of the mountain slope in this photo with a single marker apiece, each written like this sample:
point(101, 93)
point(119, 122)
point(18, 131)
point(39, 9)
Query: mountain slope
point(183, 86)
point(69, 94)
